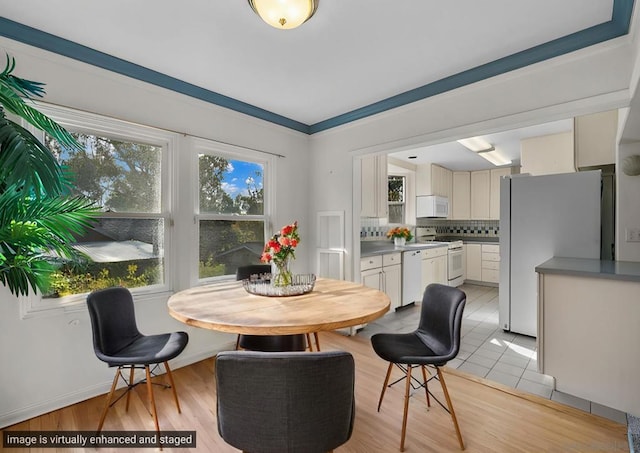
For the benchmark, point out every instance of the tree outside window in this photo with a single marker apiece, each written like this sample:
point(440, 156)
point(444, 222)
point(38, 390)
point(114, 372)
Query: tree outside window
point(396, 200)
point(126, 246)
point(232, 214)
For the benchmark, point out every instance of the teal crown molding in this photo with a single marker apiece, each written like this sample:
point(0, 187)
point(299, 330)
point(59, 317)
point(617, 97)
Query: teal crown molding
point(616, 27)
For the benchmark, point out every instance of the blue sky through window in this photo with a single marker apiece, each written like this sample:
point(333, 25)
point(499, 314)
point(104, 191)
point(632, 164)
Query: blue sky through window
point(240, 175)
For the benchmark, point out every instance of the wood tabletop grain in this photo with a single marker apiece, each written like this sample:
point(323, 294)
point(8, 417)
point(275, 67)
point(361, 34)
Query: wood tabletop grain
point(228, 307)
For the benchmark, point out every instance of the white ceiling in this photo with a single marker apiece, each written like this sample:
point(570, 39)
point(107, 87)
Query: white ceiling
point(352, 53)
point(456, 157)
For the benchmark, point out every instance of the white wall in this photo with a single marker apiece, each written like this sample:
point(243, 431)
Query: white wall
point(627, 206)
point(48, 362)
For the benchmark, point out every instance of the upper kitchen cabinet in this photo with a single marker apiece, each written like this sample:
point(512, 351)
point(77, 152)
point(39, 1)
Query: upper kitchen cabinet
point(460, 208)
point(547, 154)
point(480, 194)
point(374, 186)
point(433, 179)
point(595, 138)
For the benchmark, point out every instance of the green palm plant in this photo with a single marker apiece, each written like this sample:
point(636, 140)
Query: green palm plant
point(39, 220)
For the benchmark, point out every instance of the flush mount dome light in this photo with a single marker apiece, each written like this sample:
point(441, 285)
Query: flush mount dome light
point(284, 14)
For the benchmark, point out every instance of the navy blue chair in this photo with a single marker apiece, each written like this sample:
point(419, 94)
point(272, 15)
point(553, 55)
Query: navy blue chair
point(118, 342)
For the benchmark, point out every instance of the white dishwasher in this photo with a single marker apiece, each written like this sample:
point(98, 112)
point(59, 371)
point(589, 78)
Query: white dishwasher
point(411, 277)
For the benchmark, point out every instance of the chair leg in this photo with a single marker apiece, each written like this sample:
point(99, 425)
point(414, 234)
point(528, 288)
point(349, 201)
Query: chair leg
point(406, 407)
point(384, 386)
point(317, 338)
point(237, 342)
point(152, 401)
point(453, 414)
point(309, 344)
point(131, 372)
point(108, 402)
point(173, 386)
point(426, 384)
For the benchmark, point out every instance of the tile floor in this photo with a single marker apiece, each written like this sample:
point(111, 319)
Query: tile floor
point(489, 352)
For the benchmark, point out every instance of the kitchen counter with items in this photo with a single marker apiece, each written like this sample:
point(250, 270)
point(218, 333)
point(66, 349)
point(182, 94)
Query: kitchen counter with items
point(588, 308)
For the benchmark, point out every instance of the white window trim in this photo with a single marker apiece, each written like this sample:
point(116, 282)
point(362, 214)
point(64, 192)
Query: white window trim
point(203, 146)
point(35, 305)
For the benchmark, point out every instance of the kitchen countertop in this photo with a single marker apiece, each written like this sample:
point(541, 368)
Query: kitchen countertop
point(370, 248)
point(488, 240)
point(584, 267)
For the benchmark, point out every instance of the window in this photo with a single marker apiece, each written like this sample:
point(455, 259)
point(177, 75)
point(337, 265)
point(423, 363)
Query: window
point(122, 167)
point(126, 246)
point(397, 197)
point(232, 213)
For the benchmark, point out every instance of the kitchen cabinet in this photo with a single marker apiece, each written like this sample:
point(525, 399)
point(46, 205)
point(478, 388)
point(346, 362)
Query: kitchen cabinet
point(432, 179)
point(434, 266)
point(595, 138)
point(460, 208)
point(474, 261)
point(384, 273)
point(490, 263)
point(480, 194)
point(374, 186)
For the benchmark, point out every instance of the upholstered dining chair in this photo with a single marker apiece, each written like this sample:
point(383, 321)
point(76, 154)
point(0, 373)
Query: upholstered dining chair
point(118, 342)
point(301, 402)
point(270, 343)
point(433, 343)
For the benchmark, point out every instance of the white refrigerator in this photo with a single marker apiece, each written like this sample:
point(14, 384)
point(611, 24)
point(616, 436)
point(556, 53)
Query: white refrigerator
point(542, 217)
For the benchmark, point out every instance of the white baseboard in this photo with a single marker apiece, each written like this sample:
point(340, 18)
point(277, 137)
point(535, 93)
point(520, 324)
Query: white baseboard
point(60, 401)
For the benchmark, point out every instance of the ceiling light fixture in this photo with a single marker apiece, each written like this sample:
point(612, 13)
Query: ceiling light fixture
point(484, 149)
point(284, 14)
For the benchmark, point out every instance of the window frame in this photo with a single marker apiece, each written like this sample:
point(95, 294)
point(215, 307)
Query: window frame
point(93, 124)
point(231, 152)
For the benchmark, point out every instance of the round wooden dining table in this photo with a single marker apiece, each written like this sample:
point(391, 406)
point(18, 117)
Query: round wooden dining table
point(228, 307)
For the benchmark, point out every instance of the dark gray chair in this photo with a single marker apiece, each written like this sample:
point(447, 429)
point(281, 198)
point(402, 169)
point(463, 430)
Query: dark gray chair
point(285, 402)
point(434, 343)
point(118, 342)
point(266, 343)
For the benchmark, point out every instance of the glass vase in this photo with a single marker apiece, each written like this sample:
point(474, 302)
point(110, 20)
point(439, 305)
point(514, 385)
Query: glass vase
point(280, 273)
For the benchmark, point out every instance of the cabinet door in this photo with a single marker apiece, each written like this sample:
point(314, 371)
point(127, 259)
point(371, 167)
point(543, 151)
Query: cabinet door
point(428, 272)
point(494, 201)
point(393, 284)
point(372, 278)
point(480, 190)
point(474, 262)
point(374, 187)
point(382, 188)
point(440, 269)
point(461, 209)
point(368, 186)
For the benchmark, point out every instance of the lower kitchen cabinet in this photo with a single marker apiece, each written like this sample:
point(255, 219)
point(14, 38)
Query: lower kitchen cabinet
point(434, 266)
point(474, 261)
point(384, 273)
point(483, 262)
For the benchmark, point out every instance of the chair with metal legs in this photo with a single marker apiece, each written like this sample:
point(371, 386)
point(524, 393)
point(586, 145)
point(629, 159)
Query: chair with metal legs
point(433, 344)
point(118, 342)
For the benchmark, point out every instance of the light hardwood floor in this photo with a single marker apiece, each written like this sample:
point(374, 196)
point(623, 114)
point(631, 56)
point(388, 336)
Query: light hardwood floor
point(492, 418)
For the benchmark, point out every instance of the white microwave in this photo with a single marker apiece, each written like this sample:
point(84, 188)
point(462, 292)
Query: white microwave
point(432, 206)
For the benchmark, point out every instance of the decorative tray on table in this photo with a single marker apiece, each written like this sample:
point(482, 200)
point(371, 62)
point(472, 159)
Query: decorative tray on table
point(301, 284)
